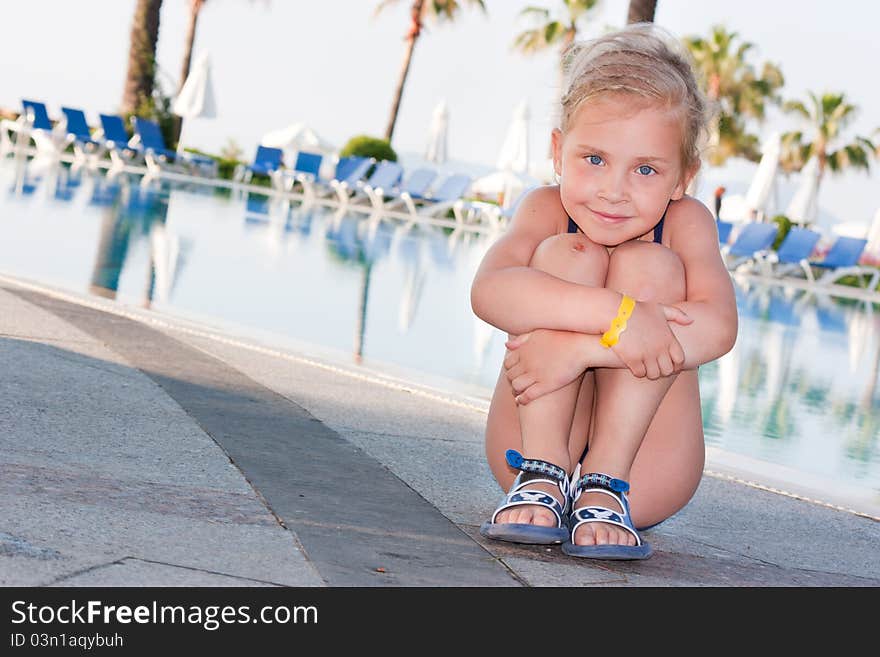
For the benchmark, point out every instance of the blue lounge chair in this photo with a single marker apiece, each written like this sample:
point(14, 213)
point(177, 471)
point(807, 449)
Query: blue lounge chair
point(449, 195)
point(36, 115)
point(115, 139)
point(753, 240)
point(384, 178)
point(842, 260)
point(418, 182)
point(306, 169)
point(158, 157)
point(792, 254)
point(350, 172)
point(415, 186)
point(267, 161)
point(80, 135)
point(33, 123)
point(76, 125)
point(406, 191)
point(724, 230)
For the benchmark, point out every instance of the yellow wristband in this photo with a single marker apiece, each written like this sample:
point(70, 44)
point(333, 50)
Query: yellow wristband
point(618, 326)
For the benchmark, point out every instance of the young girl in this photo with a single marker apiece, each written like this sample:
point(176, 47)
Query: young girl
point(613, 291)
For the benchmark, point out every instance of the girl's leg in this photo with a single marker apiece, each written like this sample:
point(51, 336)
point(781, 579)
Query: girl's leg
point(669, 464)
point(542, 429)
point(626, 405)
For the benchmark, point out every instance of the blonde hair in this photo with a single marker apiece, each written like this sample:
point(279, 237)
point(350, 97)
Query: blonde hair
point(640, 61)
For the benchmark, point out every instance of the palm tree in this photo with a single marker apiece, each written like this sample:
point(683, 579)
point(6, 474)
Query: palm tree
point(549, 32)
point(827, 116)
point(641, 11)
point(140, 77)
point(738, 92)
point(420, 11)
point(195, 6)
point(552, 31)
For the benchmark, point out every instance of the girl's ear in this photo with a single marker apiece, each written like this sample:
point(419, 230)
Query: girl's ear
point(556, 142)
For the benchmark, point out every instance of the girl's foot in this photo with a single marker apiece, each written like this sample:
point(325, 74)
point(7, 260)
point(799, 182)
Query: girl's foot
point(600, 520)
point(533, 514)
point(601, 533)
point(535, 508)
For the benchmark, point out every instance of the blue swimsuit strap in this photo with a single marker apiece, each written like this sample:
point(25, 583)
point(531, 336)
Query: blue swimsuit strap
point(658, 229)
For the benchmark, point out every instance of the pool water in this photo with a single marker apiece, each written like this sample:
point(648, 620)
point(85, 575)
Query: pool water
point(799, 389)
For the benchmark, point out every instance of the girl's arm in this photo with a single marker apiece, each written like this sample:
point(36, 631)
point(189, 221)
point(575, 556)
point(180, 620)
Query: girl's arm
point(710, 300)
point(710, 303)
point(516, 298)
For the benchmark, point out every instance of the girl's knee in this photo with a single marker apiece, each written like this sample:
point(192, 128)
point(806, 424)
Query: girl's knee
point(573, 257)
point(648, 271)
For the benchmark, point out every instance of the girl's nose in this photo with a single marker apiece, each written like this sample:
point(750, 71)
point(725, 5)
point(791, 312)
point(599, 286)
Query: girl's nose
point(613, 188)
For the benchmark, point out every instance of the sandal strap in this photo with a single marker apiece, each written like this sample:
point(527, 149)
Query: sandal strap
point(598, 482)
point(588, 514)
point(516, 460)
point(535, 497)
point(601, 480)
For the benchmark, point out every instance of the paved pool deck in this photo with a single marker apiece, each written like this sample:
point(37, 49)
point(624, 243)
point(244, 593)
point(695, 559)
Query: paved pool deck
point(141, 450)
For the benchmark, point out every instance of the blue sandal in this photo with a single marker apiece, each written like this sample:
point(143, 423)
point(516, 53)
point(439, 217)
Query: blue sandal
point(519, 494)
point(595, 482)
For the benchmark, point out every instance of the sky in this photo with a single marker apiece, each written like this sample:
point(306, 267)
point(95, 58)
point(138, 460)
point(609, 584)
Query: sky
point(333, 65)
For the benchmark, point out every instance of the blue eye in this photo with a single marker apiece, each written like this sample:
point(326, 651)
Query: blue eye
point(594, 159)
point(645, 170)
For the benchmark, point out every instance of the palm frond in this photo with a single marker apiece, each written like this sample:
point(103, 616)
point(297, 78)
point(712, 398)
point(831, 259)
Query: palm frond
point(796, 107)
point(553, 32)
point(383, 4)
point(535, 13)
point(530, 41)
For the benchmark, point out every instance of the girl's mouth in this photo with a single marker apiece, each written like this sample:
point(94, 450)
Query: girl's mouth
point(611, 218)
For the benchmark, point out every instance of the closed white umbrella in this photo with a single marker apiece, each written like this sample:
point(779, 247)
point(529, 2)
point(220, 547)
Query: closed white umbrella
point(765, 175)
point(803, 207)
point(436, 151)
point(514, 154)
point(196, 97)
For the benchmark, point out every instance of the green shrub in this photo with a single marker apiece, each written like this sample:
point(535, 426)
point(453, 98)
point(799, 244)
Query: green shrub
point(783, 224)
point(365, 146)
point(855, 280)
point(226, 167)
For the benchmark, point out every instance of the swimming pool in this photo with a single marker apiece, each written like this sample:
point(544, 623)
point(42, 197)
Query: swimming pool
point(797, 393)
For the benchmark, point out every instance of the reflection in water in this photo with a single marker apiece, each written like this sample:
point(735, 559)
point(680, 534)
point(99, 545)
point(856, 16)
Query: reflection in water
point(137, 213)
point(801, 381)
point(799, 388)
point(361, 242)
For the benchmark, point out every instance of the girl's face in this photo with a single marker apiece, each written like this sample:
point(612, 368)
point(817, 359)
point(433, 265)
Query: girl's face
point(619, 167)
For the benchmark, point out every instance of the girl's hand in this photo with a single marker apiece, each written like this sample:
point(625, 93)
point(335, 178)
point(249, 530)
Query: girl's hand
point(542, 361)
point(647, 346)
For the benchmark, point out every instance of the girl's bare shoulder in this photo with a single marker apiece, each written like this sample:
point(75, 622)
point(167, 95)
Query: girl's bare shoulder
point(688, 216)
